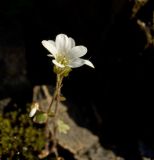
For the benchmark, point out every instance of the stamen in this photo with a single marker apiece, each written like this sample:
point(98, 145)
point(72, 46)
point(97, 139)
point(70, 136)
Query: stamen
point(62, 59)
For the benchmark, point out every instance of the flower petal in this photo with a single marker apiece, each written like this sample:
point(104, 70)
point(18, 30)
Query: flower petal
point(76, 63)
point(77, 51)
point(58, 64)
point(32, 112)
point(71, 43)
point(61, 42)
point(50, 55)
point(87, 62)
point(50, 46)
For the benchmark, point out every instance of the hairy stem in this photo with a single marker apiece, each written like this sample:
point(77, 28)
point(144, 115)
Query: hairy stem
point(58, 92)
point(56, 97)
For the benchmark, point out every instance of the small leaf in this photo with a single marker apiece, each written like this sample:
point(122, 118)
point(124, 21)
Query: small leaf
point(60, 158)
point(44, 153)
point(62, 127)
point(40, 117)
point(62, 98)
point(51, 114)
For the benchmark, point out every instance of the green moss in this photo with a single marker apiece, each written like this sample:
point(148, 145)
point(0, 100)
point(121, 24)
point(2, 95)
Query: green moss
point(19, 138)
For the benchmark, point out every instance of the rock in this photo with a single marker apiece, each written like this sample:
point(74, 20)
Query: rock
point(79, 141)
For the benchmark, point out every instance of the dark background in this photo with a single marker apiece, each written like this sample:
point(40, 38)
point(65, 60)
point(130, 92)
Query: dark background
point(115, 99)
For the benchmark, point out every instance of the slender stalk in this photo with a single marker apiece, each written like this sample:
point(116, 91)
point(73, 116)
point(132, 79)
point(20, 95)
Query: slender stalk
point(56, 97)
point(59, 85)
point(58, 92)
point(53, 98)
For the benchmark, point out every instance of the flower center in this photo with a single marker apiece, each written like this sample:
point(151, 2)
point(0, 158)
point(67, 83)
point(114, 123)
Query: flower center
point(62, 59)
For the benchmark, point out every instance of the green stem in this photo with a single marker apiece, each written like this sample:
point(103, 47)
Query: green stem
point(56, 97)
point(59, 85)
point(58, 92)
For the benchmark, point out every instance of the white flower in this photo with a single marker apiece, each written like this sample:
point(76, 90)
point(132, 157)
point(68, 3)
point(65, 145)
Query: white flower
point(34, 108)
point(65, 53)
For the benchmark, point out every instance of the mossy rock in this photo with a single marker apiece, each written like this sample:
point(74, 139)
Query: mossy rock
point(19, 137)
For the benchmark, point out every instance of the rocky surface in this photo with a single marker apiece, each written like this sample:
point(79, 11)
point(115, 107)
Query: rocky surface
point(79, 141)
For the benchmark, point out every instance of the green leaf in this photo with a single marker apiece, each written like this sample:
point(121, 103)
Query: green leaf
point(62, 127)
point(62, 98)
point(51, 114)
point(40, 117)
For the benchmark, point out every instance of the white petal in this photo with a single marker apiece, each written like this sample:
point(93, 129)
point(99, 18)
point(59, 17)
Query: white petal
point(61, 42)
point(76, 63)
point(50, 55)
point(71, 43)
point(58, 64)
point(32, 112)
point(77, 51)
point(50, 46)
point(87, 62)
